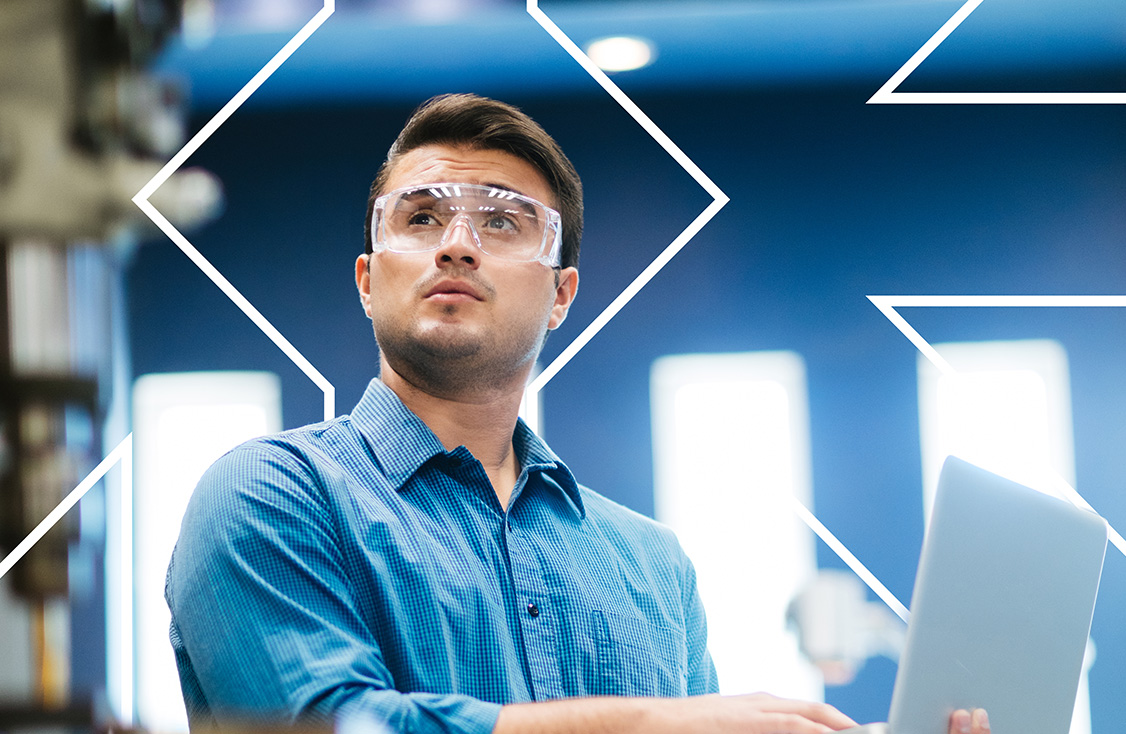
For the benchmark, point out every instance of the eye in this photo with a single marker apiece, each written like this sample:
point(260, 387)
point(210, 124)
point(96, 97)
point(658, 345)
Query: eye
point(499, 222)
point(423, 219)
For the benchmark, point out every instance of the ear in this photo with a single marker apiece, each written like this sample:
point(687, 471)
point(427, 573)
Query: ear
point(565, 290)
point(363, 282)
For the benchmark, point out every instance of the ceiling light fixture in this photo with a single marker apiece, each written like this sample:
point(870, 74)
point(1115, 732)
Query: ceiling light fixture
point(621, 53)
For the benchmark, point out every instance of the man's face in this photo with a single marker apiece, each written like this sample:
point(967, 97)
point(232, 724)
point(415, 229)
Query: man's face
point(456, 315)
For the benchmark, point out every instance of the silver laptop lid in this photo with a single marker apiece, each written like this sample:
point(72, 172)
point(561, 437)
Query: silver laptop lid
point(1002, 607)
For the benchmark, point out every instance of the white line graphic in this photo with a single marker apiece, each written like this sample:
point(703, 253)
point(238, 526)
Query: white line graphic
point(853, 562)
point(719, 200)
point(887, 94)
point(142, 201)
point(888, 305)
point(123, 452)
point(127, 673)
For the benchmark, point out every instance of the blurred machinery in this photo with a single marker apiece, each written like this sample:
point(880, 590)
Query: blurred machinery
point(839, 629)
point(82, 129)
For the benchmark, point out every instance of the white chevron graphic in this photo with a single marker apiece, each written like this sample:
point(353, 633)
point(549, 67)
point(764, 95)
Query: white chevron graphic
point(142, 201)
point(887, 94)
point(888, 305)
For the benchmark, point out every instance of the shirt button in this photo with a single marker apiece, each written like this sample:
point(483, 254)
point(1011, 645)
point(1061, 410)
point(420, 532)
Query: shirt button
point(533, 610)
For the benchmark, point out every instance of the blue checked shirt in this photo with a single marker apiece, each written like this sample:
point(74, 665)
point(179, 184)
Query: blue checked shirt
point(357, 567)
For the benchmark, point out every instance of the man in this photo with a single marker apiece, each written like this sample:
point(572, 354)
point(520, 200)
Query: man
point(427, 560)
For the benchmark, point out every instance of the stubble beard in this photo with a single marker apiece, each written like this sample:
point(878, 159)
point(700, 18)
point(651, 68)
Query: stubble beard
point(450, 360)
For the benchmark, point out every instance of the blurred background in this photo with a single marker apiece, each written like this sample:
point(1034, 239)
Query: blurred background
point(750, 370)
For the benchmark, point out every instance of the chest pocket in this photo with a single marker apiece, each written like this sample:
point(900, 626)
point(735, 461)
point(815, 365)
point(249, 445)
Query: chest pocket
point(636, 658)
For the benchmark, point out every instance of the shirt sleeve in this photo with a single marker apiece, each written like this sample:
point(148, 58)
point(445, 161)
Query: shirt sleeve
point(264, 622)
point(702, 677)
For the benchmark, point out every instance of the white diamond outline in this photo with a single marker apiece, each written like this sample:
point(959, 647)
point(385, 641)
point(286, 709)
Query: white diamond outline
point(887, 94)
point(141, 199)
point(123, 452)
point(888, 304)
point(719, 199)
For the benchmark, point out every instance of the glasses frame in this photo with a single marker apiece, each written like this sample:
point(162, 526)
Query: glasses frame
point(552, 241)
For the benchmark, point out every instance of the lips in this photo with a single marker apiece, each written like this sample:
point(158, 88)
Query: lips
point(453, 289)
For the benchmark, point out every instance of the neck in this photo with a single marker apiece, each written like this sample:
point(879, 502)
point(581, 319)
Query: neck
point(481, 420)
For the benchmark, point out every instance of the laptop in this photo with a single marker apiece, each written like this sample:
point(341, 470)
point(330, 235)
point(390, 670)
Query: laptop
point(1001, 610)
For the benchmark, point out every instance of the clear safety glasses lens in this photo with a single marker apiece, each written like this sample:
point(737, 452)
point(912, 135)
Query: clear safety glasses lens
point(501, 222)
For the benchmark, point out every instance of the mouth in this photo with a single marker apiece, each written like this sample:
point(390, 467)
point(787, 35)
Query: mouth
point(453, 291)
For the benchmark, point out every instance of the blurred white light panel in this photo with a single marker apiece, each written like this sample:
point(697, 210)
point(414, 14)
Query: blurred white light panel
point(1007, 409)
point(182, 423)
point(731, 447)
point(621, 53)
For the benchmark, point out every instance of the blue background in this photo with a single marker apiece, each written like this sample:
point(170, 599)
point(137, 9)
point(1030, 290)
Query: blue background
point(831, 201)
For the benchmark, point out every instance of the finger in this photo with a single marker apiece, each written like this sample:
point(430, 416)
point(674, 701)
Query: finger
point(825, 714)
point(961, 722)
point(822, 713)
point(980, 721)
point(787, 723)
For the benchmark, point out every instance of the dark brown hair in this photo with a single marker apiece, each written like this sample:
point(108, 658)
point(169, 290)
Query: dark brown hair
point(486, 124)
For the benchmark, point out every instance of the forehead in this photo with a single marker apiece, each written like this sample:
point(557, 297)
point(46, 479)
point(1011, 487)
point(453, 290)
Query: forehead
point(443, 163)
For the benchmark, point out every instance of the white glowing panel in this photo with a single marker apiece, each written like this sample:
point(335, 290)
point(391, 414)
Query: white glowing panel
point(1007, 409)
point(182, 423)
point(621, 53)
point(731, 447)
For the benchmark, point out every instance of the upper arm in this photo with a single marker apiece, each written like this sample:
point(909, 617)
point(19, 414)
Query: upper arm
point(701, 670)
point(266, 613)
point(257, 588)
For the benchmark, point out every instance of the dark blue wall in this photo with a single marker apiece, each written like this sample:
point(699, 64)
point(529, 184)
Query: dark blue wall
point(831, 200)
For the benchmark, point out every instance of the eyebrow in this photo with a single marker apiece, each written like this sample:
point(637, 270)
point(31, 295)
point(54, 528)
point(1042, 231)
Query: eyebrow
point(426, 192)
point(502, 187)
point(421, 194)
point(523, 204)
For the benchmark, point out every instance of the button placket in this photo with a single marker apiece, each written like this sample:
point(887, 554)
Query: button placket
point(537, 625)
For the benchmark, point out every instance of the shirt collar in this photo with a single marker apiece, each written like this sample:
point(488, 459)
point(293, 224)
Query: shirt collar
point(533, 454)
point(401, 443)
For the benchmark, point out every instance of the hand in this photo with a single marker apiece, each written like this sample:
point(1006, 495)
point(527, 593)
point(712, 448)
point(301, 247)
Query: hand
point(963, 722)
point(756, 713)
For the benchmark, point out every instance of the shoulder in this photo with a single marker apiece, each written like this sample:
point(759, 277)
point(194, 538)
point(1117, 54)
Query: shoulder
point(603, 509)
point(647, 554)
point(630, 528)
point(265, 495)
point(291, 467)
point(315, 447)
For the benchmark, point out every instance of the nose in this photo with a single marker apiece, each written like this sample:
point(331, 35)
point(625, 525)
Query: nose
point(459, 244)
